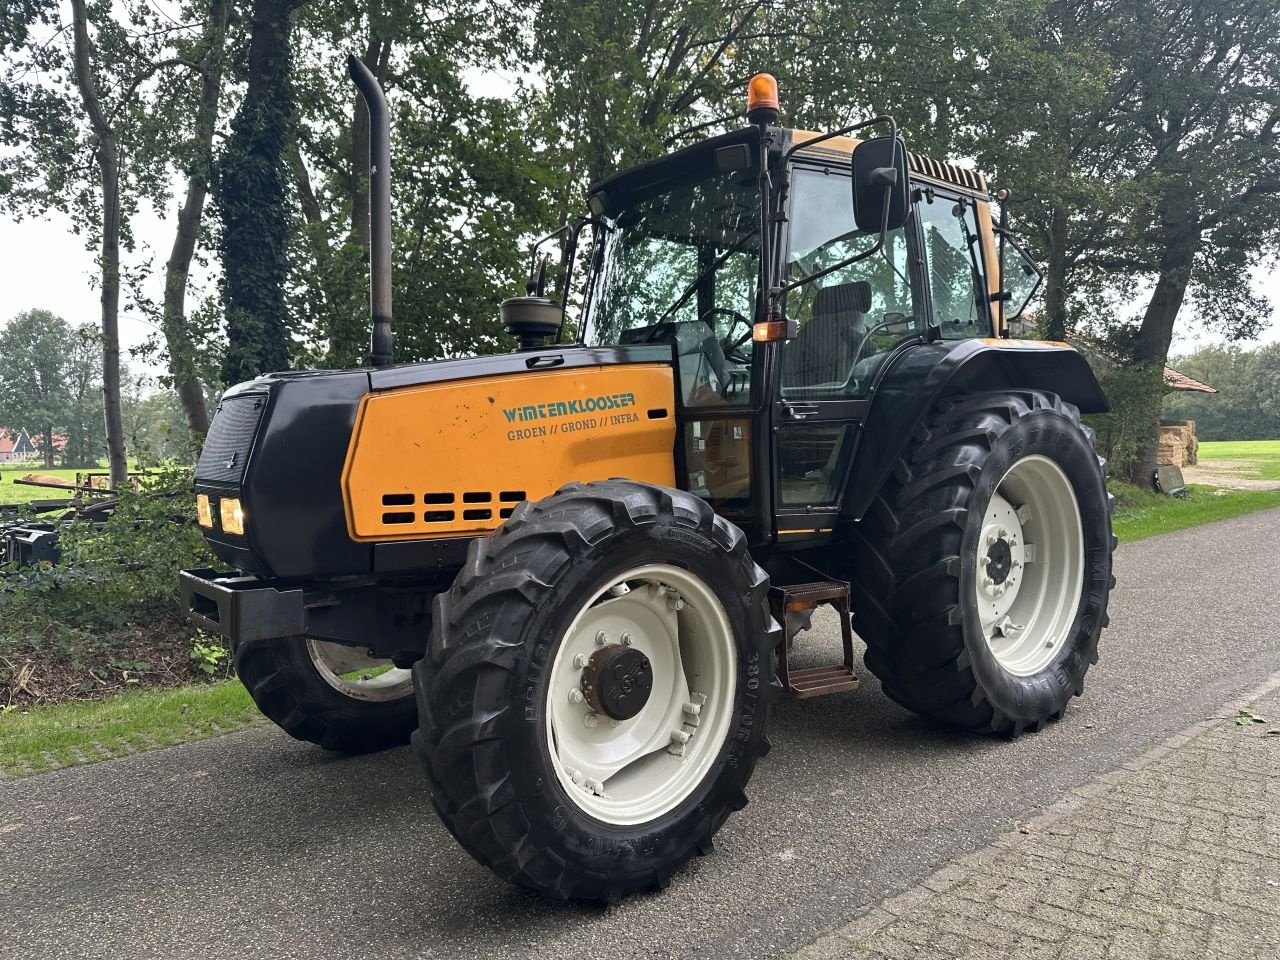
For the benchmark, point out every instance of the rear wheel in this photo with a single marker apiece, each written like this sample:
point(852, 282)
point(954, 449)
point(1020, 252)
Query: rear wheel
point(597, 688)
point(330, 694)
point(981, 575)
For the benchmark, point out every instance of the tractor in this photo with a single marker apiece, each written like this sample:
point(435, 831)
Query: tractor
point(573, 575)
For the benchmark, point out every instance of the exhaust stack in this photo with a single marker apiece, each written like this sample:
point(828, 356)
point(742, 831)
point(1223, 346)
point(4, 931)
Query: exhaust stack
point(380, 340)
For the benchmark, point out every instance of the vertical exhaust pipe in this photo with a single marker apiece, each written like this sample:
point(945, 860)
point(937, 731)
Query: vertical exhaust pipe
point(380, 345)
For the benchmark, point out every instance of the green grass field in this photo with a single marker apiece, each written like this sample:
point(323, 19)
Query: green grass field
point(1263, 456)
point(73, 733)
point(11, 492)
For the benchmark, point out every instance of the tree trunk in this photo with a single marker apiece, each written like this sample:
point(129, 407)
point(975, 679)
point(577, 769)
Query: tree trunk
point(1156, 333)
point(252, 201)
point(109, 167)
point(48, 450)
point(1054, 325)
point(177, 337)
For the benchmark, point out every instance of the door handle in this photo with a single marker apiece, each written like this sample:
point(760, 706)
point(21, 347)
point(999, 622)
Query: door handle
point(800, 411)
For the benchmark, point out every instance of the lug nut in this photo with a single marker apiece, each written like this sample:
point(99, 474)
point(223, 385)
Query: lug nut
point(626, 639)
point(581, 660)
point(591, 719)
point(575, 696)
point(601, 638)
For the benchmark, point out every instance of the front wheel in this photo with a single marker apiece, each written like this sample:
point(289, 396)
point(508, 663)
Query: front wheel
point(981, 575)
point(597, 688)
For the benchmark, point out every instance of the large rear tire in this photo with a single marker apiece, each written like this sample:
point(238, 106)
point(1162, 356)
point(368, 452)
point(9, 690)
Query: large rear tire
point(597, 688)
point(981, 574)
point(329, 694)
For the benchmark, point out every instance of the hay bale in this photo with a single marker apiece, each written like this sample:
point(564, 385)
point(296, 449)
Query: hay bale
point(1174, 442)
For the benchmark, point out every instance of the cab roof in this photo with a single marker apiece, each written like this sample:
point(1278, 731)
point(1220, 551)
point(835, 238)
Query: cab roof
point(705, 158)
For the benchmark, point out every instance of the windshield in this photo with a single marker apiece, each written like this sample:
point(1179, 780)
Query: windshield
point(682, 268)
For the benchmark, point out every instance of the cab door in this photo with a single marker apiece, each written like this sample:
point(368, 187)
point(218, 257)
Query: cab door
point(849, 321)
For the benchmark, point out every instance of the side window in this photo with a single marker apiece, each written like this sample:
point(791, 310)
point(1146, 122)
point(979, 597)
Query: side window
point(849, 318)
point(953, 252)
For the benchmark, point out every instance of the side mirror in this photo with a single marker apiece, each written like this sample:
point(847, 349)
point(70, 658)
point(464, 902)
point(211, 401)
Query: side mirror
point(880, 178)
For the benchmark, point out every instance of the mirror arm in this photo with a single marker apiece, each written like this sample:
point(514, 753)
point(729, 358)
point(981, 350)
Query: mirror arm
point(1002, 293)
point(531, 285)
point(843, 132)
point(570, 255)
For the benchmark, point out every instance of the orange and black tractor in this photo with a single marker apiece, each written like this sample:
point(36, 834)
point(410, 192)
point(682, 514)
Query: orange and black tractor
point(577, 575)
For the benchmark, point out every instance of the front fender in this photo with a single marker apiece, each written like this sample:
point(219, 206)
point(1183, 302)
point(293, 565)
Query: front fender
point(916, 379)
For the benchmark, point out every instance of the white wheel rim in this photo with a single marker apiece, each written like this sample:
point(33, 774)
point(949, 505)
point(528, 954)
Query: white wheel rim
point(1030, 566)
point(352, 672)
point(635, 770)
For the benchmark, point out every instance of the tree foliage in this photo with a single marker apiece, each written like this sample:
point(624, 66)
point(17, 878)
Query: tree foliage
point(1247, 404)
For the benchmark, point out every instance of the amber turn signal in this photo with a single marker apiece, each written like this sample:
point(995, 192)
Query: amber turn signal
point(774, 330)
point(204, 512)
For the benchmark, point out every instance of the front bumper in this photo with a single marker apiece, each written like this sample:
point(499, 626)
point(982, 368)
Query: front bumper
point(242, 608)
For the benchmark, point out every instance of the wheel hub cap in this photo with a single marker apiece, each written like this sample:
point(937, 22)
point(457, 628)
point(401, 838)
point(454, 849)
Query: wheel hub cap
point(999, 560)
point(617, 681)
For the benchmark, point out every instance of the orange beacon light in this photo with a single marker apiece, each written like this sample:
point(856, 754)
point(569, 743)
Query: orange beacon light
point(762, 98)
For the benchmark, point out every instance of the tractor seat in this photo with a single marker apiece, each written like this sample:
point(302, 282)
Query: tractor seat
point(824, 349)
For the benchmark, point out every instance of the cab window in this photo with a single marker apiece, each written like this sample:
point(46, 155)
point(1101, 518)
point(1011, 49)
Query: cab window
point(953, 255)
point(850, 318)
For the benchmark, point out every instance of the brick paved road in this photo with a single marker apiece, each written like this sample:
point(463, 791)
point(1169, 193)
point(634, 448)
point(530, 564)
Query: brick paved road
point(1176, 854)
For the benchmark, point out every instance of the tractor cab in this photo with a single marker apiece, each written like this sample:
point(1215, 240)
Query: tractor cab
point(790, 346)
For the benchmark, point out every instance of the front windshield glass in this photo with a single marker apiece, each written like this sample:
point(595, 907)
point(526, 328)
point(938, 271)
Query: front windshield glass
point(682, 268)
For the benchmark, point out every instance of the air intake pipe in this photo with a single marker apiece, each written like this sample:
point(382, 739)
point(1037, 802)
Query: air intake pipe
point(380, 340)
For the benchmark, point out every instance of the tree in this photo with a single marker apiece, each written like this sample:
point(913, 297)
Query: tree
point(468, 181)
point(49, 371)
point(208, 56)
point(95, 113)
point(252, 201)
point(1247, 404)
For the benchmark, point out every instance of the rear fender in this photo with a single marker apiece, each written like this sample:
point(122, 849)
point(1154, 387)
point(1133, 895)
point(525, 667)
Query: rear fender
point(920, 376)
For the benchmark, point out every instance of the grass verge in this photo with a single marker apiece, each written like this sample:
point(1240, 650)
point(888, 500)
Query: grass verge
point(1141, 513)
point(74, 733)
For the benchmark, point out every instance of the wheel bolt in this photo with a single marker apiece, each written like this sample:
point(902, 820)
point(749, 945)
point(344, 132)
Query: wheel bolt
point(575, 695)
point(601, 638)
point(577, 777)
point(626, 639)
point(581, 660)
point(591, 719)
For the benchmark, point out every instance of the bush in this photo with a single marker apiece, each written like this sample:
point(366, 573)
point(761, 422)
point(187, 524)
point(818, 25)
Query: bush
point(1136, 393)
point(121, 573)
point(105, 617)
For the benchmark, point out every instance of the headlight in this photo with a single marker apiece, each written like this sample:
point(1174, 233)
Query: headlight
point(204, 512)
point(232, 515)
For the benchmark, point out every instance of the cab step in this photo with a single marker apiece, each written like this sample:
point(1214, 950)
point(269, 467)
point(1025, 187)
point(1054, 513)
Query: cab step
point(790, 601)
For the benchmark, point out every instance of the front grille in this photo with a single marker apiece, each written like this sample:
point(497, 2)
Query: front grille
point(226, 448)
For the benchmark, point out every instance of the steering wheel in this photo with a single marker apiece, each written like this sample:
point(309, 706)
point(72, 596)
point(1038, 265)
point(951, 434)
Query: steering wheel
point(731, 345)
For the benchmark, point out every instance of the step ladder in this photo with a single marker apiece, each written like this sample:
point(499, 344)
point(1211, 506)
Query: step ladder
point(799, 598)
